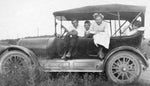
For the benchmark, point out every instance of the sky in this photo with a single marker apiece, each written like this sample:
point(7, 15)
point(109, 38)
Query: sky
point(22, 18)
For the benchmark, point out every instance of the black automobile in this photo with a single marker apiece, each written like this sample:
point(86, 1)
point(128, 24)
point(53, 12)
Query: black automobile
point(123, 61)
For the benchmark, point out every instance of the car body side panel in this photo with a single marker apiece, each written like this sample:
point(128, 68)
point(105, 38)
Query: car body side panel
point(132, 40)
point(42, 47)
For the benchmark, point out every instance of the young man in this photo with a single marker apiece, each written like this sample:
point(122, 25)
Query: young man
point(87, 25)
point(71, 38)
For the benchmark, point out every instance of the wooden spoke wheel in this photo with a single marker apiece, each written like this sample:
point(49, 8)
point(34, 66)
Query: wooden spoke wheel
point(16, 65)
point(123, 68)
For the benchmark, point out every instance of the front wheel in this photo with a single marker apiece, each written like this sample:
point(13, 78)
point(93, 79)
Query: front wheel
point(123, 67)
point(16, 65)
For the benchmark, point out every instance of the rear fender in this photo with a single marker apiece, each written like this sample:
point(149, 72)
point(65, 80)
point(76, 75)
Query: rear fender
point(28, 52)
point(142, 58)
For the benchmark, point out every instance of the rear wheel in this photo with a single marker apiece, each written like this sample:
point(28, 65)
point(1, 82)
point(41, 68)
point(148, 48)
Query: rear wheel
point(123, 67)
point(16, 65)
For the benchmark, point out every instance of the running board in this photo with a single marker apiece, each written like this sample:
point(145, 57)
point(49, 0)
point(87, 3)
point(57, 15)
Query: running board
point(46, 70)
point(80, 65)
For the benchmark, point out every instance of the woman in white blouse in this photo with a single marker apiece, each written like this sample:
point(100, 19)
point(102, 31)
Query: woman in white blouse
point(101, 33)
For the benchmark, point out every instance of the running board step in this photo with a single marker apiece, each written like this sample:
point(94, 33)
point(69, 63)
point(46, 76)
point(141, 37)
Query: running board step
point(81, 65)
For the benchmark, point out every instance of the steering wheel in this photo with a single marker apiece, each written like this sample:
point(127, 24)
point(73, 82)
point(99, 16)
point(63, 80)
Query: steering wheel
point(73, 32)
point(65, 31)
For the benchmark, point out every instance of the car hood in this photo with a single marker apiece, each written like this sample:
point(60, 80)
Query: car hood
point(33, 42)
point(39, 45)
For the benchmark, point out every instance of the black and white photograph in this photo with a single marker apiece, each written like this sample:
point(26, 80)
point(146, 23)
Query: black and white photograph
point(74, 43)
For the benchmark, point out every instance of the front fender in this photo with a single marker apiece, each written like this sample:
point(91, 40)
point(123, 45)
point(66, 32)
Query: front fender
point(127, 48)
point(28, 52)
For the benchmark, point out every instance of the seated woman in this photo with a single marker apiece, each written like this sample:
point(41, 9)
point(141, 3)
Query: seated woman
point(100, 33)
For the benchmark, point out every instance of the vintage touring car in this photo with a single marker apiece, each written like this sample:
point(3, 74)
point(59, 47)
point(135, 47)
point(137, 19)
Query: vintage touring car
point(122, 63)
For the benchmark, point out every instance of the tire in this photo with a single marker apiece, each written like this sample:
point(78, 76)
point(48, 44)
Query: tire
point(17, 67)
point(123, 68)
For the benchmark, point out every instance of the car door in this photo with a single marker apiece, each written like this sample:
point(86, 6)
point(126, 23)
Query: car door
point(92, 48)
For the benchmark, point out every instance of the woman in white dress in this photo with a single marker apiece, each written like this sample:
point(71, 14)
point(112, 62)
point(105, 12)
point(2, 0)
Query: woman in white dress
point(101, 33)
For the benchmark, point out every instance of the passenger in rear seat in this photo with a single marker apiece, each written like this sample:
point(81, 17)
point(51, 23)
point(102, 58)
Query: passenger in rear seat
point(136, 26)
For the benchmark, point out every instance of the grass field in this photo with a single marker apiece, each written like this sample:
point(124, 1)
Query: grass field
point(62, 79)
